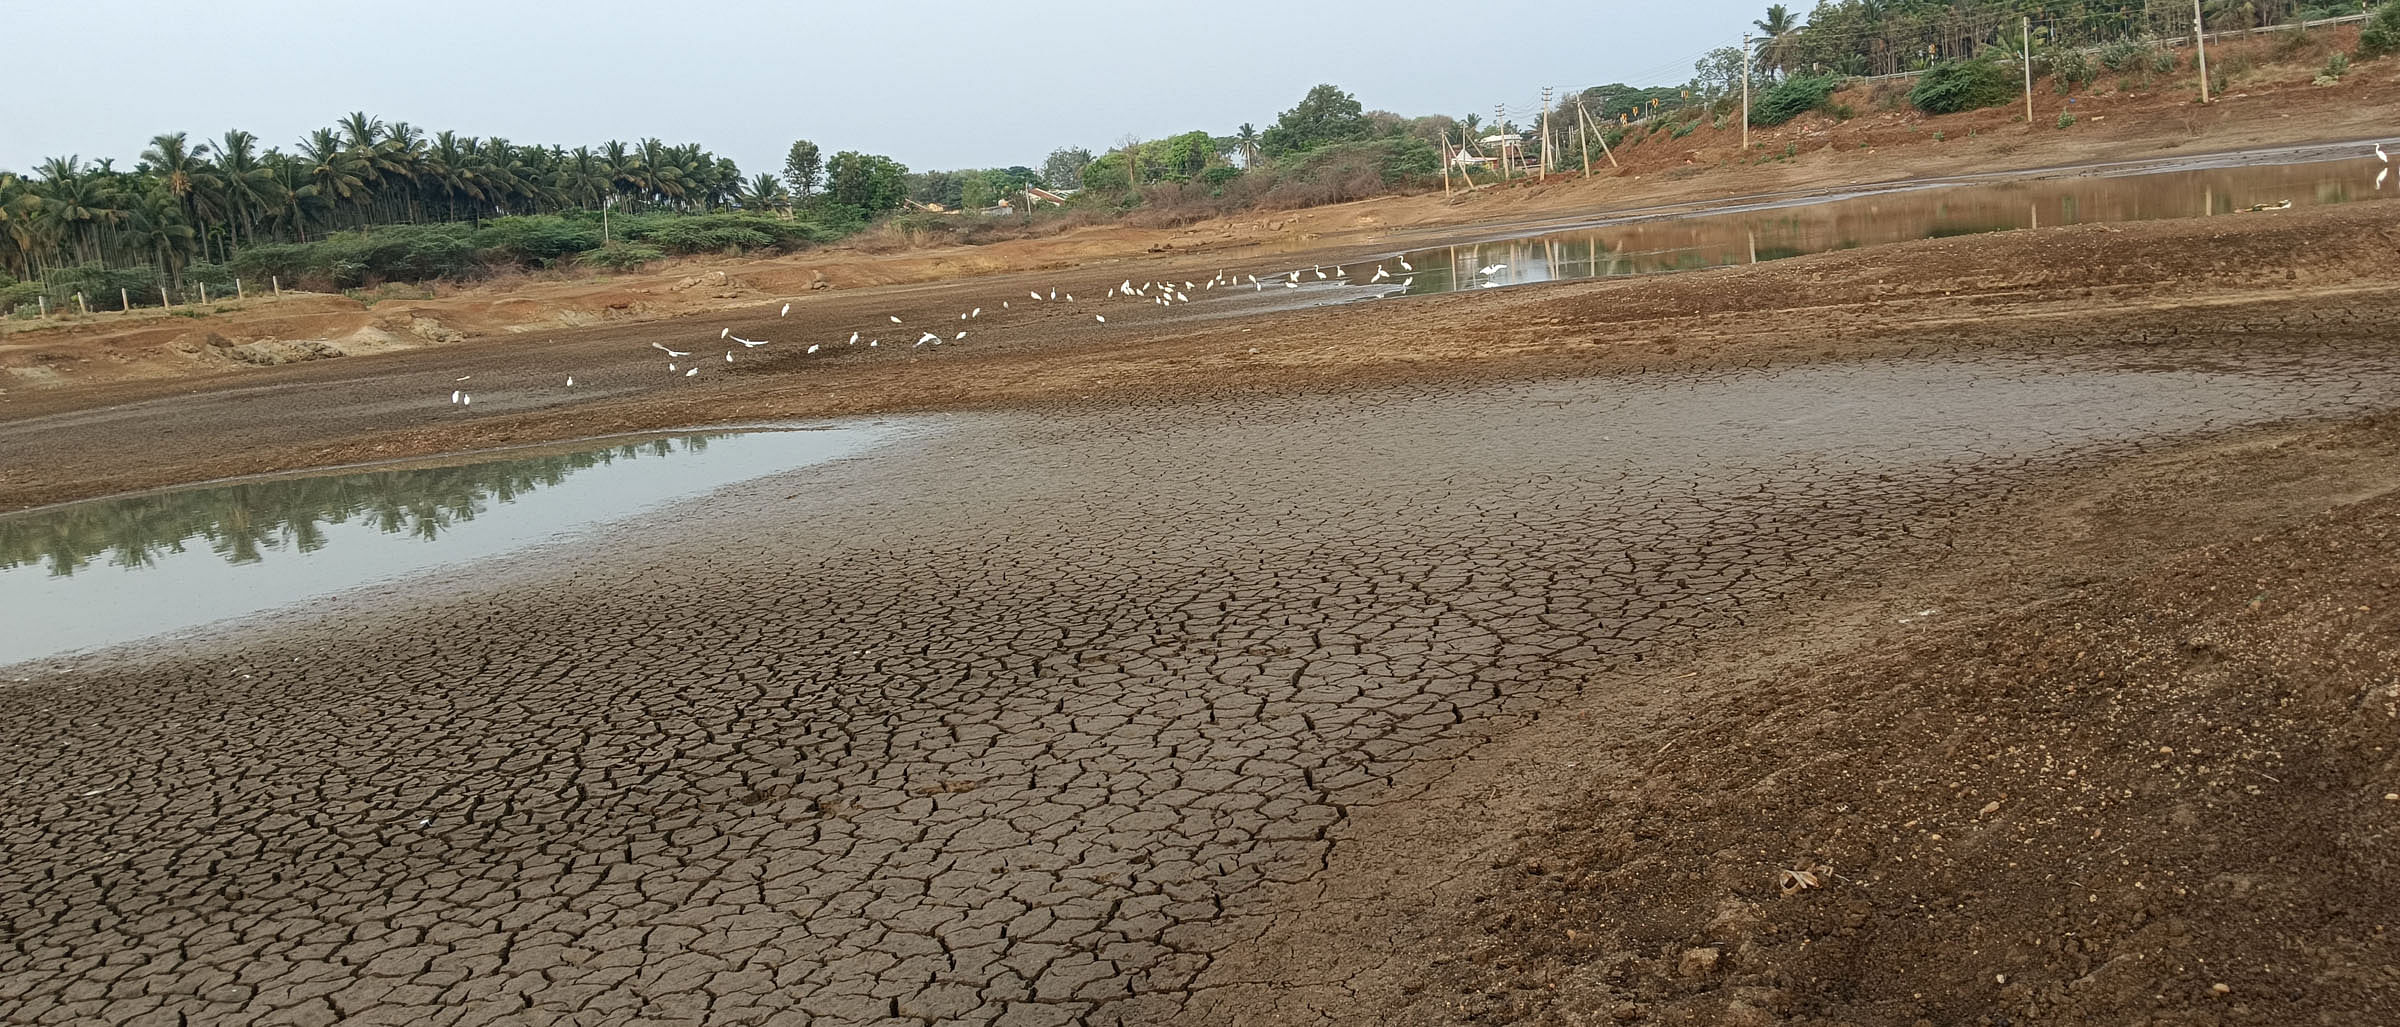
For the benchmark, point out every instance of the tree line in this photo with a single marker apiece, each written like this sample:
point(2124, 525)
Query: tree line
point(188, 202)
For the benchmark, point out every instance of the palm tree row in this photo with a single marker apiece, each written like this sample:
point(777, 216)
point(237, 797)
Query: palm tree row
point(205, 200)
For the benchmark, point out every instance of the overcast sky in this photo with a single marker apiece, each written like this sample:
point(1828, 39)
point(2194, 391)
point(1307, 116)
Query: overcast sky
point(933, 85)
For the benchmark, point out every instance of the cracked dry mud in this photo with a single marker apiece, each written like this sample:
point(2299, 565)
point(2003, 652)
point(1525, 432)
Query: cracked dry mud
point(1008, 722)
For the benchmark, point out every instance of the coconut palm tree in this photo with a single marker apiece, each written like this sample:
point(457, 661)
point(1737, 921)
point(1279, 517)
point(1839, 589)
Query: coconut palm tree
point(182, 169)
point(765, 192)
point(241, 180)
point(1775, 51)
point(1247, 138)
point(156, 226)
point(336, 171)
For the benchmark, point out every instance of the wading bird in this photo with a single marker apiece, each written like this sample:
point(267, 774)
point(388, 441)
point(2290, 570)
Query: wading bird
point(787, 311)
point(669, 352)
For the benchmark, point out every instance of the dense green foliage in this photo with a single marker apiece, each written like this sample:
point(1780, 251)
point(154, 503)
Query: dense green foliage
point(1326, 115)
point(368, 201)
point(866, 181)
point(1875, 37)
point(417, 253)
point(1955, 86)
point(1791, 98)
point(2381, 36)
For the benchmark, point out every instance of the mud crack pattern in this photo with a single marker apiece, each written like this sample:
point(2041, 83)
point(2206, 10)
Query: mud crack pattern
point(1006, 725)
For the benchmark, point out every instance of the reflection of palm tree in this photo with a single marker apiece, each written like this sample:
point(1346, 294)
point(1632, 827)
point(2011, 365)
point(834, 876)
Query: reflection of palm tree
point(244, 522)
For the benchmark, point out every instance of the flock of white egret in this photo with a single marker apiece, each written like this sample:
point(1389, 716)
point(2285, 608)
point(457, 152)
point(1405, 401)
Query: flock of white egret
point(1163, 292)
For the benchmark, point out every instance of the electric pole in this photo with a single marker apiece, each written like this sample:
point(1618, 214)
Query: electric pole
point(2200, 39)
point(1746, 91)
point(1500, 118)
point(1545, 133)
point(2028, 27)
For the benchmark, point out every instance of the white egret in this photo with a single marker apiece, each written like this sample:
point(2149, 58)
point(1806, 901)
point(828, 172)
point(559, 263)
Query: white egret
point(853, 340)
point(787, 311)
point(977, 312)
point(691, 372)
point(1033, 294)
point(1406, 282)
point(1320, 273)
point(570, 381)
point(1102, 318)
point(454, 394)
point(895, 318)
point(1380, 275)
point(669, 352)
point(723, 332)
point(960, 335)
point(812, 348)
point(1404, 265)
point(729, 356)
point(466, 401)
point(2380, 155)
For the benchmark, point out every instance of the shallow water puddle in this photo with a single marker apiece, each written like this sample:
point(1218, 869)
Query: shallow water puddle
point(1649, 244)
point(105, 571)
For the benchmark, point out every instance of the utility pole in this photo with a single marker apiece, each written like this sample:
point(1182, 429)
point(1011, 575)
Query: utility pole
point(1583, 135)
point(1604, 150)
point(2200, 39)
point(1746, 91)
point(1445, 163)
point(2028, 27)
point(1545, 134)
point(1499, 118)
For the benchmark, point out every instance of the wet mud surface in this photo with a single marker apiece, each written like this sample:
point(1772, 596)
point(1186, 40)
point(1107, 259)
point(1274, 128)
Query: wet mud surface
point(1014, 726)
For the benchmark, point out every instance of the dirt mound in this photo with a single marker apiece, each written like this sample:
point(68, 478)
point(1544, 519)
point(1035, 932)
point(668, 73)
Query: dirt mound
point(2162, 799)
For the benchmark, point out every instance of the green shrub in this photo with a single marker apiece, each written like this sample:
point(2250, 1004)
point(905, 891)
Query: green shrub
point(2065, 119)
point(2381, 36)
point(2336, 66)
point(1791, 98)
point(1682, 130)
point(536, 241)
point(2070, 70)
point(14, 293)
point(1216, 177)
point(2125, 55)
point(618, 256)
point(2162, 62)
point(1955, 86)
point(1393, 160)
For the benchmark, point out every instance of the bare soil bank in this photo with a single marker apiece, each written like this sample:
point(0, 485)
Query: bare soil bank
point(2126, 756)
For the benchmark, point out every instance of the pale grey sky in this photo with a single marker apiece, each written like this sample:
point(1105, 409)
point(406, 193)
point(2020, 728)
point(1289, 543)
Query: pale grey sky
point(932, 85)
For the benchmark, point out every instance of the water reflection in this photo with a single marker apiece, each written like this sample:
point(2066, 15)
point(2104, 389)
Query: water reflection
point(1690, 242)
point(114, 570)
point(244, 522)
